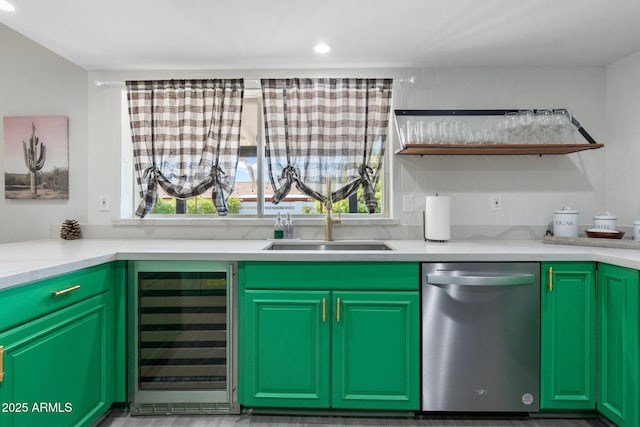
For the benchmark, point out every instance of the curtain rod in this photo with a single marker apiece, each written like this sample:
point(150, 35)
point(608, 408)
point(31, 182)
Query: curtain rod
point(102, 83)
point(251, 82)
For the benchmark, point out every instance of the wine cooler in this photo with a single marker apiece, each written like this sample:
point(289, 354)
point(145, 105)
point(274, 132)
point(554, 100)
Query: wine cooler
point(182, 338)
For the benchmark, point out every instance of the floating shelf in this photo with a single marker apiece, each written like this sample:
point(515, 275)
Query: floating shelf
point(486, 118)
point(494, 149)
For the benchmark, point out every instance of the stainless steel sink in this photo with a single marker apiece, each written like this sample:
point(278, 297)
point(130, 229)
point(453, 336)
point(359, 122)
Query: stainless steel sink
point(328, 246)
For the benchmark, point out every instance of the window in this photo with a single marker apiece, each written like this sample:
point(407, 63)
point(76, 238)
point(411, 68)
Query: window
point(253, 192)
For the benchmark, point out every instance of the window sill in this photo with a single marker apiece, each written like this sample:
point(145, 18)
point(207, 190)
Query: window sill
point(245, 222)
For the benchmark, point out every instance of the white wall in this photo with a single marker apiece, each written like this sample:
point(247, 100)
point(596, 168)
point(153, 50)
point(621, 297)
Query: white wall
point(35, 81)
point(623, 118)
point(532, 187)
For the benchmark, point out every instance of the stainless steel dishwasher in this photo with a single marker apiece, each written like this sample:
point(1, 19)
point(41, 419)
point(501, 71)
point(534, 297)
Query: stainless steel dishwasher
point(480, 337)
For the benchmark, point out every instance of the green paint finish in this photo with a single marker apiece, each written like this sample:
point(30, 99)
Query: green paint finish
point(619, 333)
point(21, 303)
point(118, 286)
point(286, 349)
point(60, 366)
point(568, 331)
point(376, 351)
point(330, 275)
point(297, 352)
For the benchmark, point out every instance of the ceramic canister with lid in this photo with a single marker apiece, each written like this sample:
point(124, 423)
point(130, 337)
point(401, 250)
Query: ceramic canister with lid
point(636, 230)
point(605, 221)
point(565, 222)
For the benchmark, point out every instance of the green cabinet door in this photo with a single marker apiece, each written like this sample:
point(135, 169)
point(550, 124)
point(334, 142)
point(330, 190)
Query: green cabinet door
point(58, 368)
point(568, 331)
point(286, 353)
point(375, 350)
point(299, 348)
point(618, 332)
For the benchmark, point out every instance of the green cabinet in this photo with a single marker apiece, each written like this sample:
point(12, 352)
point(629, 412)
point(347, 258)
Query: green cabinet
point(63, 365)
point(568, 336)
point(342, 347)
point(619, 334)
point(286, 343)
point(375, 356)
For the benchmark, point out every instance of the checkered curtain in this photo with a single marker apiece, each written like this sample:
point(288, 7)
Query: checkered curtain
point(316, 128)
point(186, 138)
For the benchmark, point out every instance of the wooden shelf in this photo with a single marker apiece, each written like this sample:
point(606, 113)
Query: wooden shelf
point(493, 149)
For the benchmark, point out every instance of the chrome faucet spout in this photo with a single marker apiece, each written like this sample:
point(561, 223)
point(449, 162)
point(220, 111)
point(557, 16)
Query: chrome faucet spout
point(329, 221)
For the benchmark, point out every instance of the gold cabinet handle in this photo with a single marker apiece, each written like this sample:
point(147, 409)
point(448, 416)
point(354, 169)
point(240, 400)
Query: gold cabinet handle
point(65, 291)
point(338, 310)
point(550, 279)
point(1, 363)
point(324, 309)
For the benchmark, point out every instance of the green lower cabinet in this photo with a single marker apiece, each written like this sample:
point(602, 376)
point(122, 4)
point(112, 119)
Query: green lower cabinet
point(568, 336)
point(63, 348)
point(331, 349)
point(375, 355)
point(619, 334)
point(286, 349)
point(58, 368)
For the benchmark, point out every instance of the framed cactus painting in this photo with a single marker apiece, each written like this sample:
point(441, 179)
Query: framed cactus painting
point(36, 157)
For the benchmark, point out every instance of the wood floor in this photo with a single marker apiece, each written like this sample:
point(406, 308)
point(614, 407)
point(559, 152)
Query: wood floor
point(122, 419)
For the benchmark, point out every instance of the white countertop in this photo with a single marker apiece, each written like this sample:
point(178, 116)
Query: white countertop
point(24, 262)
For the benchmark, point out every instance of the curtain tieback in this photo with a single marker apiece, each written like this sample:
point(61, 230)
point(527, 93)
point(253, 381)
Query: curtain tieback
point(290, 173)
point(217, 194)
point(368, 193)
point(365, 173)
point(216, 174)
point(151, 173)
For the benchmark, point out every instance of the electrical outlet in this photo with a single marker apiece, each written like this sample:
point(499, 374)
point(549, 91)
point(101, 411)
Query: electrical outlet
point(495, 201)
point(407, 203)
point(104, 203)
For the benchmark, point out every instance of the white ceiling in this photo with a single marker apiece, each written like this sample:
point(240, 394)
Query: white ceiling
point(250, 34)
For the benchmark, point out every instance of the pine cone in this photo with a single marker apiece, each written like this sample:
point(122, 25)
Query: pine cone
point(70, 229)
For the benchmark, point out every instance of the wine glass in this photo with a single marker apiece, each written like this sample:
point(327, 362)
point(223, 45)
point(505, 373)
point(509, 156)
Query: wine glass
point(526, 119)
point(562, 126)
point(543, 122)
point(512, 126)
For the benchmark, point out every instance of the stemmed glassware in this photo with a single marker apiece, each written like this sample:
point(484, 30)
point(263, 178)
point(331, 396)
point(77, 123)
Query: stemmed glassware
point(543, 126)
point(543, 123)
point(526, 119)
point(562, 127)
point(513, 128)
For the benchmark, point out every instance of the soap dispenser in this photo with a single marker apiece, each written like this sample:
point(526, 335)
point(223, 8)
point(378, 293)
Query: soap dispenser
point(288, 227)
point(278, 231)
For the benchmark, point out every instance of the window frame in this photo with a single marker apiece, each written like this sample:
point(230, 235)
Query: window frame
point(130, 196)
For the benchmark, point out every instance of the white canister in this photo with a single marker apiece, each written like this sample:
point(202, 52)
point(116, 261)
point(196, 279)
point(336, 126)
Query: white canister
point(605, 221)
point(565, 222)
point(636, 230)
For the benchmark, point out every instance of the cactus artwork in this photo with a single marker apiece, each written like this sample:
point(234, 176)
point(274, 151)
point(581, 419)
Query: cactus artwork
point(34, 157)
point(41, 143)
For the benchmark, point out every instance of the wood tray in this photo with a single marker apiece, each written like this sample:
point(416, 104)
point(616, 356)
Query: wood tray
point(588, 241)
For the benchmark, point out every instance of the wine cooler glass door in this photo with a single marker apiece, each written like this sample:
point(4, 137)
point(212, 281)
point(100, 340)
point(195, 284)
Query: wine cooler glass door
point(182, 332)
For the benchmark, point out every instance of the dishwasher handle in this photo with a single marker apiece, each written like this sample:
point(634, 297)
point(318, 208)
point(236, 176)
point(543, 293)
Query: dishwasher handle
point(475, 279)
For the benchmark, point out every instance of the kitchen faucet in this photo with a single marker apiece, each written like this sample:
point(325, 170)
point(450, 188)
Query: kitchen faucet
point(328, 220)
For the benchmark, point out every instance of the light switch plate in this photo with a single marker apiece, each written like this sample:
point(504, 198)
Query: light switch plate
point(407, 203)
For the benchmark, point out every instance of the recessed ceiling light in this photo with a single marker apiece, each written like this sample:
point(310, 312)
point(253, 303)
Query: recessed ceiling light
point(322, 48)
point(6, 6)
